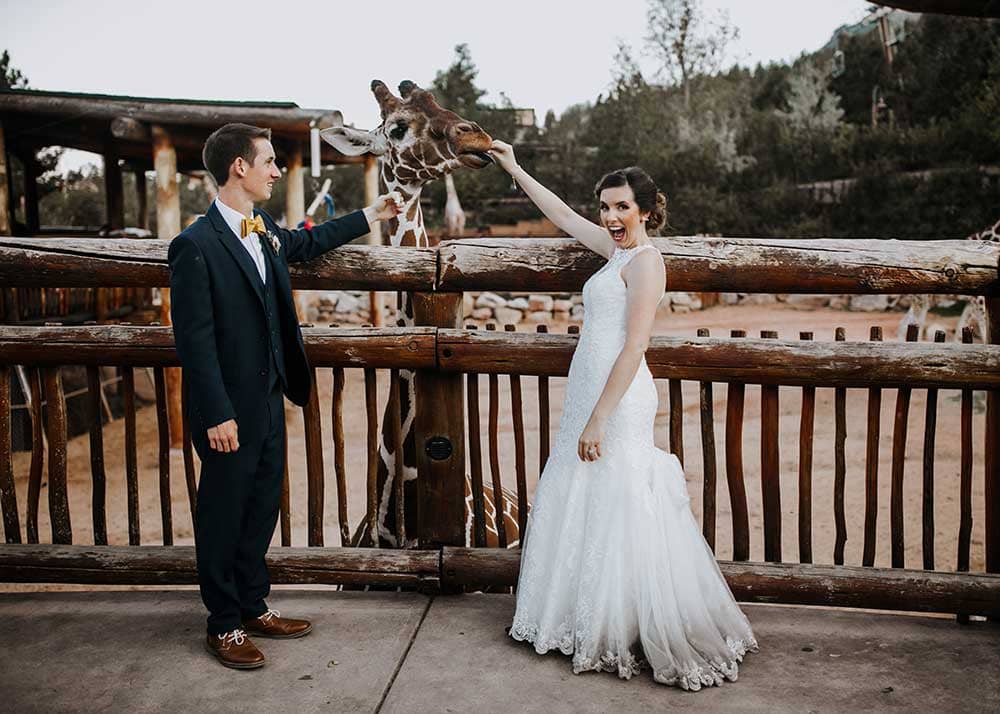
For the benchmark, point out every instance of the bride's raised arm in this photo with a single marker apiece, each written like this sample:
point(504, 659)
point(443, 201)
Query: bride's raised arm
point(555, 209)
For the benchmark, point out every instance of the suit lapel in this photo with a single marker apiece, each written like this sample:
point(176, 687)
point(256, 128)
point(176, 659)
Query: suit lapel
point(236, 250)
point(278, 272)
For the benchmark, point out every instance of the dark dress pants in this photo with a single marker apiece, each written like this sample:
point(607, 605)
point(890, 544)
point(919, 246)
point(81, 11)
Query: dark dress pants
point(238, 498)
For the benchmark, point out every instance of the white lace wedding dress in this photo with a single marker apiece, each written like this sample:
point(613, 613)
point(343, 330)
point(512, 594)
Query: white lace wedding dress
point(614, 569)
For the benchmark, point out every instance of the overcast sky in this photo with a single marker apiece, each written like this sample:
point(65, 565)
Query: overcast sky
point(542, 54)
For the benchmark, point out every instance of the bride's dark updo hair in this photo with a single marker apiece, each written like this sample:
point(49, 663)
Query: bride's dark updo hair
point(647, 196)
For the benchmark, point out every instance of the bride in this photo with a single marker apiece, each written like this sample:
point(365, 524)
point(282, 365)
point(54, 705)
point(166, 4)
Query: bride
point(614, 569)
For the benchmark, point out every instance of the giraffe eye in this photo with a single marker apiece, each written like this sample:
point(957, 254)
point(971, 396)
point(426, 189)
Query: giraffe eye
point(399, 131)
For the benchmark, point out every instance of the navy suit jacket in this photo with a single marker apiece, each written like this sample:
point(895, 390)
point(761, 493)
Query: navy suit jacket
point(217, 309)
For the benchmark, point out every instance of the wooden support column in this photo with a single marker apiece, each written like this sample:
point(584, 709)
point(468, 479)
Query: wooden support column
point(168, 225)
point(375, 236)
point(5, 217)
point(141, 199)
point(440, 433)
point(114, 195)
point(295, 205)
point(10, 298)
point(31, 214)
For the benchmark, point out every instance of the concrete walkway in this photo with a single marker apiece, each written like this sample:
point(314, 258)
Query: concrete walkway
point(141, 651)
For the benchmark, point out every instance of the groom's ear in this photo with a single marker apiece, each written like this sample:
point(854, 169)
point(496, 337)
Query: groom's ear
point(354, 142)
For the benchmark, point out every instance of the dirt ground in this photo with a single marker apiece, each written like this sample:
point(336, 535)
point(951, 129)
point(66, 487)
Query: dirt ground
point(753, 318)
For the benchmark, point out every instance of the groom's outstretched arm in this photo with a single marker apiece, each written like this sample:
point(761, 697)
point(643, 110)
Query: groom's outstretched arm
point(308, 243)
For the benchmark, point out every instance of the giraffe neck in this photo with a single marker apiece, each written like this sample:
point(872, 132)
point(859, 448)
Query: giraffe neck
point(406, 229)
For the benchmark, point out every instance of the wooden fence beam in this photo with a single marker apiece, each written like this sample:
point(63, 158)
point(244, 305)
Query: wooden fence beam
point(753, 265)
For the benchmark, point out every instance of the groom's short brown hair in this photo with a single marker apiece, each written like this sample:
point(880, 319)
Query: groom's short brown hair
point(226, 144)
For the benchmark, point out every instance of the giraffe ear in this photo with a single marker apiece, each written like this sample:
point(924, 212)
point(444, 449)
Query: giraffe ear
point(354, 142)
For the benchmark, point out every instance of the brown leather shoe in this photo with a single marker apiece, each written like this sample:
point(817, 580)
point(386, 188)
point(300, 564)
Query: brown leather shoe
point(272, 624)
point(234, 649)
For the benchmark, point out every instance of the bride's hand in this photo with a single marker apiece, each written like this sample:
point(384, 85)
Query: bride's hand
point(503, 154)
point(589, 446)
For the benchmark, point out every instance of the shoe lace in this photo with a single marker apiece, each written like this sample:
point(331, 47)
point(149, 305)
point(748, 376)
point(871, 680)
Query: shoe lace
point(266, 617)
point(236, 636)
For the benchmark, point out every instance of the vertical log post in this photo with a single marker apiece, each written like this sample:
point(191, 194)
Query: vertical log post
point(708, 458)
point(8, 496)
point(735, 399)
point(37, 457)
point(806, 428)
point(168, 225)
point(374, 237)
point(62, 532)
point(543, 415)
point(475, 458)
point(517, 413)
point(992, 476)
point(871, 464)
point(493, 431)
point(315, 478)
point(97, 472)
point(965, 484)
point(899, 430)
point(439, 428)
point(770, 475)
point(930, 437)
point(839, 463)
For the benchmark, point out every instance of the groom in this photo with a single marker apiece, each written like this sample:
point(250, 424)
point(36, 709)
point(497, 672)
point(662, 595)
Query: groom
point(240, 347)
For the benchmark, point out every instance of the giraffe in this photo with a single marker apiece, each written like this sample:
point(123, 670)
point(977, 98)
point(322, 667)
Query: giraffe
point(418, 141)
point(974, 313)
point(454, 216)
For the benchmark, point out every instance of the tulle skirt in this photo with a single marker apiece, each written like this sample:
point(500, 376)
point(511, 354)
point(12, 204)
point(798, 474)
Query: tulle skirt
point(616, 573)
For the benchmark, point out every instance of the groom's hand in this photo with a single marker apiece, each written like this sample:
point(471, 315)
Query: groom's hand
point(223, 437)
point(385, 207)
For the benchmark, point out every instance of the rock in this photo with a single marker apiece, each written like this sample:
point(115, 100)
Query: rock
point(538, 316)
point(482, 313)
point(519, 303)
point(759, 299)
point(561, 316)
point(348, 303)
point(869, 303)
point(680, 308)
point(490, 300)
point(808, 302)
point(508, 315)
point(540, 302)
point(839, 302)
point(577, 299)
point(576, 314)
point(729, 298)
point(561, 306)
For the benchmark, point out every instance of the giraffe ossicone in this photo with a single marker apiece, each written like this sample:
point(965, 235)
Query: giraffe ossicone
point(417, 142)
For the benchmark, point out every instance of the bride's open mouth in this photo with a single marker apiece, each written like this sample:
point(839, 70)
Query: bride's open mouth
point(617, 233)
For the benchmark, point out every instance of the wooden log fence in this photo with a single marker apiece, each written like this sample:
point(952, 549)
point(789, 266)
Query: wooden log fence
point(448, 359)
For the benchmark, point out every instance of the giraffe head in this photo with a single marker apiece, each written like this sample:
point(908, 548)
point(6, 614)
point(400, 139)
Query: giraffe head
point(418, 140)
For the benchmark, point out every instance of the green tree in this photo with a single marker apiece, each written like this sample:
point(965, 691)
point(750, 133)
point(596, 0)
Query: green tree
point(11, 77)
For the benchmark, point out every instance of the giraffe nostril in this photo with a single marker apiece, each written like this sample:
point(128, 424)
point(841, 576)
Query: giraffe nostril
point(465, 128)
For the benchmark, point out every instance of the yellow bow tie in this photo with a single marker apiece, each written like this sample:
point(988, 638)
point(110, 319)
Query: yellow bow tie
point(254, 225)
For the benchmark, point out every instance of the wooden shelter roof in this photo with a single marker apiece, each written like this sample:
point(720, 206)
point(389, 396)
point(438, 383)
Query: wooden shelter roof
point(968, 8)
point(122, 125)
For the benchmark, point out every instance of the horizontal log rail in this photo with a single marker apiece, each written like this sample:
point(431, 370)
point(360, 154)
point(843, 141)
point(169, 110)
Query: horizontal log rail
point(751, 265)
point(785, 583)
point(122, 262)
point(756, 265)
point(141, 346)
point(752, 361)
point(454, 568)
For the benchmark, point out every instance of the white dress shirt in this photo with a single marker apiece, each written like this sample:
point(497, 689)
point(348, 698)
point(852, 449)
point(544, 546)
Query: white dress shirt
point(234, 219)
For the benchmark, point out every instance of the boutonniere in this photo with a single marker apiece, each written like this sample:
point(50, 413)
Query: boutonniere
point(275, 243)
